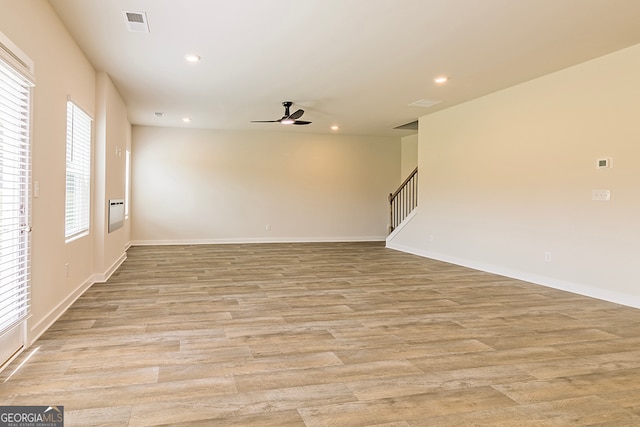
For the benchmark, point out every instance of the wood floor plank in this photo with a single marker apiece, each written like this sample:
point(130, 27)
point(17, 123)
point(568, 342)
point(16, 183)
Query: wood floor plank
point(328, 334)
point(582, 411)
point(405, 408)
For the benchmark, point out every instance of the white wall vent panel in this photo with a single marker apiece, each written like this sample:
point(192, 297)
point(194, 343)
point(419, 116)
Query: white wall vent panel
point(116, 214)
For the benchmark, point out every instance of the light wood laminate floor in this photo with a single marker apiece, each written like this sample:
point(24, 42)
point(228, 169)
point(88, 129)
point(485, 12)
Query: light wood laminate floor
point(335, 334)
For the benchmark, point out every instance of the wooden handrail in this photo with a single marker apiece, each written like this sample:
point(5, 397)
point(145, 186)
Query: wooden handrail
point(404, 183)
point(403, 200)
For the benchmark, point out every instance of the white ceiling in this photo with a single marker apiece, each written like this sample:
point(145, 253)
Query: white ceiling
point(354, 63)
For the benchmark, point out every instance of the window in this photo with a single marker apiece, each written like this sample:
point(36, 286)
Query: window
point(15, 195)
point(77, 206)
point(127, 182)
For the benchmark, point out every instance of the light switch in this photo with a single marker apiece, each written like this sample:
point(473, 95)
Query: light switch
point(605, 163)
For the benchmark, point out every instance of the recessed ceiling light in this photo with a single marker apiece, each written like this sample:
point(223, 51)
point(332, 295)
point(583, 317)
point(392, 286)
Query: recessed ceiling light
point(192, 58)
point(186, 119)
point(441, 79)
point(334, 127)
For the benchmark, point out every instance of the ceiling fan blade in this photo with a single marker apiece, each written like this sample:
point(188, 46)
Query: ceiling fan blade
point(287, 119)
point(296, 114)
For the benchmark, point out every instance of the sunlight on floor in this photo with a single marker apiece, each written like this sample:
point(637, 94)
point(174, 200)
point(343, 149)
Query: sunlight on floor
point(34, 351)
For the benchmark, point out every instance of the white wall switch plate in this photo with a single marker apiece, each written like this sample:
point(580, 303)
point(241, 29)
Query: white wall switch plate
point(605, 163)
point(601, 195)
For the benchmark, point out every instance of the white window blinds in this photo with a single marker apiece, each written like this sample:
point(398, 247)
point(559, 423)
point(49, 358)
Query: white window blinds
point(15, 187)
point(78, 209)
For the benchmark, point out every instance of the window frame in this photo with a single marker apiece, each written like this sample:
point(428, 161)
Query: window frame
point(127, 182)
point(78, 171)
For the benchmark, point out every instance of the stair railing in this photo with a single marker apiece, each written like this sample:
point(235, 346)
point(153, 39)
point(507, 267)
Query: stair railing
point(403, 200)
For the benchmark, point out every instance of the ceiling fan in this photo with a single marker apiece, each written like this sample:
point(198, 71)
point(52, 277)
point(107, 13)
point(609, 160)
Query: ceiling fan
point(288, 118)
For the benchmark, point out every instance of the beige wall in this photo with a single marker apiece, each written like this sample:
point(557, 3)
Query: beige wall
point(508, 177)
point(409, 156)
point(112, 139)
point(61, 71)
point(220, 186)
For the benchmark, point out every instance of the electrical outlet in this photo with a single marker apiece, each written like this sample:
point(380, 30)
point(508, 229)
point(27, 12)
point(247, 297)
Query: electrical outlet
point(268, 227)
point(547, 257)
point(66, 270)
point(601, 195)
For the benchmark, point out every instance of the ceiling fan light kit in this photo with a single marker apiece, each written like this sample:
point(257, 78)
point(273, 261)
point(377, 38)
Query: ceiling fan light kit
point(288, 118)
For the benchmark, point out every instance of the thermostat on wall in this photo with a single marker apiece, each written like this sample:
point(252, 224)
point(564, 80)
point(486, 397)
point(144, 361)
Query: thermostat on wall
point(605, 163)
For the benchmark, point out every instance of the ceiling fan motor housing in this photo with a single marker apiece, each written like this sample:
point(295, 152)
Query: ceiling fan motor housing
point(288, 118)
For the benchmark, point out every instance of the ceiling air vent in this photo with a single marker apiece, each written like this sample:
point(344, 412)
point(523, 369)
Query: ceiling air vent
point(136, 21)
point(424, 103)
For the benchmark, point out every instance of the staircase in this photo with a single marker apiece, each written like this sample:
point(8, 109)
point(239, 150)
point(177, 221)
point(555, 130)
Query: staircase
point(403, 200)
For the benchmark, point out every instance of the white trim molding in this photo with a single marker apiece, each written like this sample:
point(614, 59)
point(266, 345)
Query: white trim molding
point(550, 282)
point(256, 240)
point(45, 323)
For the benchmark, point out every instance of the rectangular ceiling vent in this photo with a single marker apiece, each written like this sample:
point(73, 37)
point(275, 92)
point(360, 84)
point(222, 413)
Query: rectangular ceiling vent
point(424, 103)
point(136, 21)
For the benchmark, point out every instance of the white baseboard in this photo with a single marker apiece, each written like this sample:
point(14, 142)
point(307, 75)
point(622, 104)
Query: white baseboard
point(101, 278)
point(41, 327)
point(256, 240)
point(550, 282)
